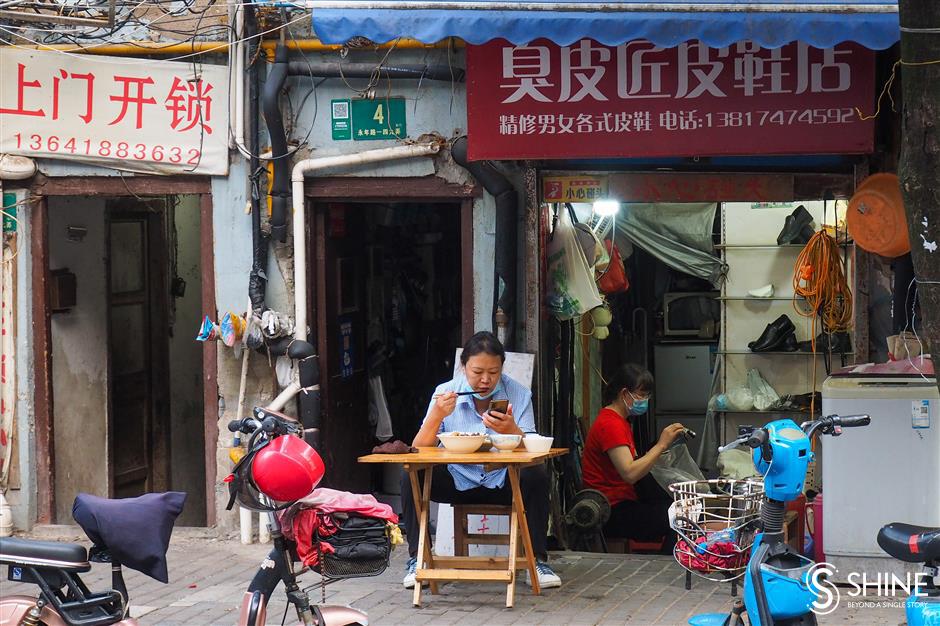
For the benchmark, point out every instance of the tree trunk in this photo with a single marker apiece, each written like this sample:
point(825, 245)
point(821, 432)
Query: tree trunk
point(919, 165)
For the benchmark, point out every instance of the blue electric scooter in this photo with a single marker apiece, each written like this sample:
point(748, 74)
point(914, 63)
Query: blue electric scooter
point(779, 586)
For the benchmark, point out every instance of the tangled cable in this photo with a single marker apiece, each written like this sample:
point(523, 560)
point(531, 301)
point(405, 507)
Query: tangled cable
point(819, 278)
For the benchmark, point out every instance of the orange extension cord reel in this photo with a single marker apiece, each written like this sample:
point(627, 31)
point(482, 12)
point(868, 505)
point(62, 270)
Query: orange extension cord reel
point(876, 218)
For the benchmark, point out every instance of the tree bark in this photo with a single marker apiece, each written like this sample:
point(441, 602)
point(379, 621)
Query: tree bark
point(919, 165)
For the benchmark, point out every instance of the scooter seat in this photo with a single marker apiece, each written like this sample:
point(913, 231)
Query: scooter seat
point(27, 552)
point(909, 543)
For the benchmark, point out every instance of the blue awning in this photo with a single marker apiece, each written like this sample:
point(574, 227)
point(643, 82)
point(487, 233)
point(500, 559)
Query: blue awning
point(718, 23)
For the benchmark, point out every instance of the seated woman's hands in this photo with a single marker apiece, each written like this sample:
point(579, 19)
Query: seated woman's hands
point(669, 435)
point(503, 423)
point(444, 405)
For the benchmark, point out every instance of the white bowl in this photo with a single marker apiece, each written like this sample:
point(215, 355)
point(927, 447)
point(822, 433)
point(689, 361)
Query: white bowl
point(462, 443)
point(506, 443)
point(537, 443)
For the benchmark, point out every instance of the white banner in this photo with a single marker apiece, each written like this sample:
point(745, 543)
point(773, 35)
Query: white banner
point(169, 117)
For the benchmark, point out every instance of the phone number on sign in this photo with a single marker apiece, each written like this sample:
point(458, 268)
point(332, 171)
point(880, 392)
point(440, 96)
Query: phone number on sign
point(108, 149)
point(690, 120)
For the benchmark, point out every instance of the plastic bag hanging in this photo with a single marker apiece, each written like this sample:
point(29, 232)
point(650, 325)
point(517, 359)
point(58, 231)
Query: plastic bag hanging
point(572, 290)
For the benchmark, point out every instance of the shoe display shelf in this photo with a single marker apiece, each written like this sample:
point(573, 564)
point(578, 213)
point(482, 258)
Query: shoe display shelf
point(749, 249)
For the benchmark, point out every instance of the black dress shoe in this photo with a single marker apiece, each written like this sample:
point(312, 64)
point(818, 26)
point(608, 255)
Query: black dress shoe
point(802, 401)
point(790, 344)
point(839, 343)
point(773, 336)
point(805, 235)
point(793, 225)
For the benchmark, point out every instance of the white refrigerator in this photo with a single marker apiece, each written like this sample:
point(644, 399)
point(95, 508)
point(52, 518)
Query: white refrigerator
point(886, 472)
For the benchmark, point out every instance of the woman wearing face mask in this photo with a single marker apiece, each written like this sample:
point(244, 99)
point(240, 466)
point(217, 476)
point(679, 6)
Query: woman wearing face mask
point(610, 463)
point(482, 359)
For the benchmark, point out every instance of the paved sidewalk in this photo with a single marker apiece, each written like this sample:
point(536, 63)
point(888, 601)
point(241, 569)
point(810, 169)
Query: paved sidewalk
point(208, 577)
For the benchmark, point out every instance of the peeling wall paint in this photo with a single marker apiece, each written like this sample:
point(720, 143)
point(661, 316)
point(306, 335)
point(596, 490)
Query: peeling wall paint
point(80, 355)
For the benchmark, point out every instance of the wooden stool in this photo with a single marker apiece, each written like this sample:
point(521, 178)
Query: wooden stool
point(464, 538)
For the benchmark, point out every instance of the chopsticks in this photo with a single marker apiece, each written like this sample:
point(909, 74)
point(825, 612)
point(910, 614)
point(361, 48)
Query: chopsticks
point(459, 393)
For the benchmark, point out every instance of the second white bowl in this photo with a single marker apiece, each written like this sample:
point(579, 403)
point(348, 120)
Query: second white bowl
point(537, 443)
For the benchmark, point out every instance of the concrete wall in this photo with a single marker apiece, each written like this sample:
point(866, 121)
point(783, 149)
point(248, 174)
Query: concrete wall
point(80, 354)
point(187, 433)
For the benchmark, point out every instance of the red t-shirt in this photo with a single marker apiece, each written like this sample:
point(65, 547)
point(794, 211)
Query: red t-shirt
point(598, 472)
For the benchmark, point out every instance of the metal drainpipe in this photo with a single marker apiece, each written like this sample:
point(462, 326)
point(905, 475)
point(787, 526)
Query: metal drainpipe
point(507, 236)
point(270, 101)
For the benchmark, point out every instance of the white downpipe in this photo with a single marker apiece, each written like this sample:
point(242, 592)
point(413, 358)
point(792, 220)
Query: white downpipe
point(240, 77)
point(605, 7)
point(244, 524)
point(301, 169)
point(264, 531)
point(236, 106)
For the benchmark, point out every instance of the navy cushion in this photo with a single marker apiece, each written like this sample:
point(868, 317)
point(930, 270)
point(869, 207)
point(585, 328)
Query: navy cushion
point(136, 531)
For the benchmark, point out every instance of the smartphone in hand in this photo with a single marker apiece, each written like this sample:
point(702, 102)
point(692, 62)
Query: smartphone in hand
point(500, 406)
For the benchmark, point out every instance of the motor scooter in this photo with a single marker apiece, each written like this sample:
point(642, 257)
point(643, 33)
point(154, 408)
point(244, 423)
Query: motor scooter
point(133, 530)
point(780, 584)
point(279, 566)
point(64, 600)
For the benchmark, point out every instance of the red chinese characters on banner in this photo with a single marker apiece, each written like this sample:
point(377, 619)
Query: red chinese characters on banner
point(188, 100)
point(542, 101)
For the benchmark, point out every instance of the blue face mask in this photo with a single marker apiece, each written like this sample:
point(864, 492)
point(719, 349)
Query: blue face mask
point(639, 407)
point(482, 396)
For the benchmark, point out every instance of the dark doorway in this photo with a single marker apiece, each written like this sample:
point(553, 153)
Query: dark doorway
point(139, 381)
point(389, 303)
point(127, 377)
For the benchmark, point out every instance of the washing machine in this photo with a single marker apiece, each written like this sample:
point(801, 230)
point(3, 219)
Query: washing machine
point(888, 471)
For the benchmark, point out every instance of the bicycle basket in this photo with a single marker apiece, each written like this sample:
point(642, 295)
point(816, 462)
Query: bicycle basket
point(361, 547)
point(715, 524)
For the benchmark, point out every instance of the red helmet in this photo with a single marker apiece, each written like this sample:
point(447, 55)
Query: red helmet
point(286, 469)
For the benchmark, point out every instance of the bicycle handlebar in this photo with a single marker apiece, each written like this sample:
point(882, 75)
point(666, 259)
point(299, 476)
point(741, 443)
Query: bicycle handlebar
point(853, 420)
point(829, 425)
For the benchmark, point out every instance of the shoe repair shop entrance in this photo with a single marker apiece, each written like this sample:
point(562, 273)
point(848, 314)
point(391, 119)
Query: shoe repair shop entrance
point(120, 269)
point(393, 286)
point(702, 301)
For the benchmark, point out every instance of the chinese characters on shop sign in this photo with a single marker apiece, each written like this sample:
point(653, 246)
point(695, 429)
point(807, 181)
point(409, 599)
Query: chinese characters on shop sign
point(639, 99)
point(144, 116)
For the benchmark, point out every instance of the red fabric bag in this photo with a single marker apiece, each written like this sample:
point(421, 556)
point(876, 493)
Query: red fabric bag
point(614, 280)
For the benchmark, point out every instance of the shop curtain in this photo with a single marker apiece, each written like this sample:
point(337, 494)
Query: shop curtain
point(679, 235)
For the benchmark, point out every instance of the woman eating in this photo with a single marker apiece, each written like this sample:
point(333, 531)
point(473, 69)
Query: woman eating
point(481, 373)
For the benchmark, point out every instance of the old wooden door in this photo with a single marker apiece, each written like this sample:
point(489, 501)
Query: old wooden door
point(339, 237)
point(139, 387)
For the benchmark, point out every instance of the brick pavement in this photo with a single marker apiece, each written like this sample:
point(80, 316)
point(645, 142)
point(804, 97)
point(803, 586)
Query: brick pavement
point(209, 575)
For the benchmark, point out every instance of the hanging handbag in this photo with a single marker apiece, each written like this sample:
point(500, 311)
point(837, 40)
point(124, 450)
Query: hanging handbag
point(614, 280)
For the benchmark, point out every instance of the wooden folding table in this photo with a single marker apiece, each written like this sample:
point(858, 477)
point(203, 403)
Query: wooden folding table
point(433, 569)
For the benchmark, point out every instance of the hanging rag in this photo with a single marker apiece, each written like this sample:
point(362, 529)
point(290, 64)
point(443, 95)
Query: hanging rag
point(379, 415)
point(307, 525)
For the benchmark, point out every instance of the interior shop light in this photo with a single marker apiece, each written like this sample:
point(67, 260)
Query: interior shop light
point(606, 208)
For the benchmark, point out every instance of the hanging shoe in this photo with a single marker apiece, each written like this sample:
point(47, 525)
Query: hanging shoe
point(793, 225)
point(773, 336)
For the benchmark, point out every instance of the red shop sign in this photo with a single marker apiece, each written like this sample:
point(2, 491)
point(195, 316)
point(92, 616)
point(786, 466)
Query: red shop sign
point(542, 101)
